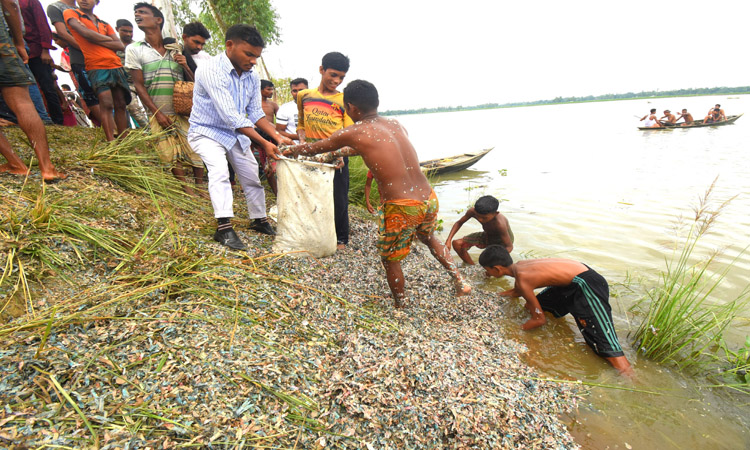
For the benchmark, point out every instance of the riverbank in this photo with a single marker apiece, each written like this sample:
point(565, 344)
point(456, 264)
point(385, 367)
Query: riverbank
point(124, 324)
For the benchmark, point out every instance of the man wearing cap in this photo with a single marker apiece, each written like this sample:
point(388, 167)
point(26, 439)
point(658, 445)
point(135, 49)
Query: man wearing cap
point(669, 116)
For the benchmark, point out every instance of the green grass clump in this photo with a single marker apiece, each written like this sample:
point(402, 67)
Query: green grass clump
point(357, 178)
point(682, 326)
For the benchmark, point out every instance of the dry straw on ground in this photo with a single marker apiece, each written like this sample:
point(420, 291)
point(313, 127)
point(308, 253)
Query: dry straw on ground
point(126, 327)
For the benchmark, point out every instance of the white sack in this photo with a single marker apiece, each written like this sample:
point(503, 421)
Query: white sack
point(305, 208)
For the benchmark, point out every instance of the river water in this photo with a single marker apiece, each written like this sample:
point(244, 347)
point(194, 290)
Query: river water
point(580, 181)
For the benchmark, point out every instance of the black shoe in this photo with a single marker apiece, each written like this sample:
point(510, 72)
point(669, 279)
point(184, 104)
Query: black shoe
point(262, 226)
point(230, 239)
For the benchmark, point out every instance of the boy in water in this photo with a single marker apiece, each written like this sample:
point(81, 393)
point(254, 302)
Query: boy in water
point(571, 287)
point(409, 206)
point(495, 225)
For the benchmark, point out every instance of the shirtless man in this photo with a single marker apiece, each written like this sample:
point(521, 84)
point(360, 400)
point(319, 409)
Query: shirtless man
point(715, 115)
point(409, 205)
point(669, 116)
point(651, 120)
point(686, 116)
point(495, 229)
point(270, 107)
point(571, 287)
point(717, 106)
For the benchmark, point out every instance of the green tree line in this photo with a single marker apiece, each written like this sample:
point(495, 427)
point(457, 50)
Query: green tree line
point(588, 98)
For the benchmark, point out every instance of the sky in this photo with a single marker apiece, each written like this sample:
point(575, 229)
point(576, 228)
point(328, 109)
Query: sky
point(440, 53)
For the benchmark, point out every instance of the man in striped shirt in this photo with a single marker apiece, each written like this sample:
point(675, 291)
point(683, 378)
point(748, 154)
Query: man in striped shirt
point(571, 287)
point(226, 107)
point(155, 70)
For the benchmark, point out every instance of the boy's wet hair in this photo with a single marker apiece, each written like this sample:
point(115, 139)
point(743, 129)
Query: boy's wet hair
point(486, 204)
point(154, 10)
point(264, 84)
point(123, 23)
point(362, 94)
point(244, 32)
point(653, 110)
point(297, 81)
point(495, 255)
point(335, 61)
point(196, 29)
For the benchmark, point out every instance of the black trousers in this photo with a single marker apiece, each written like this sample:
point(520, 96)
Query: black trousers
point(43, 74)
point(341, 202)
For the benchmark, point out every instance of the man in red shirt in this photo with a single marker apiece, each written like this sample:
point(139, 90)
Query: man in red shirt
point(98, 42)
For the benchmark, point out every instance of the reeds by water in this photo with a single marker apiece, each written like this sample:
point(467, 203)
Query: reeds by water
point(682, 326)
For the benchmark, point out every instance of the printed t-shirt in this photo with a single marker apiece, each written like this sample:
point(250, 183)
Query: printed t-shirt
point(321, 115)
point(159, 73)
point(97, 57)
point(55, 13)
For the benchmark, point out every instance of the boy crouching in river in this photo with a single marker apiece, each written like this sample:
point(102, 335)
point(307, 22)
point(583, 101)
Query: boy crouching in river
point(409, 206)
point(571, 287)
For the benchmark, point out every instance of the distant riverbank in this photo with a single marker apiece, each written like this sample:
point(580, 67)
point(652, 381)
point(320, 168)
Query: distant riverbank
point(645, 95)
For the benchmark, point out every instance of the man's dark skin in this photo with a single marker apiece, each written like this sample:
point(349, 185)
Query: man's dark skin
point(384, 146)
point(193, 44)
point(126, 34)
point(494, 224)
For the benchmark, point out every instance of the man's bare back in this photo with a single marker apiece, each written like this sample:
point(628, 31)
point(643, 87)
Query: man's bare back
point(537, 273)
point(385, 148)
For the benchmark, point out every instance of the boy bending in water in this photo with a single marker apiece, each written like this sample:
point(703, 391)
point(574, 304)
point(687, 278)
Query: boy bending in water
point(571, 287)
point(495, 225)
point(409, 206)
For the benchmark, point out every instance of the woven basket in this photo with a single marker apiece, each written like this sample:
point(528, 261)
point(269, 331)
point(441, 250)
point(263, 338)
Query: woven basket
point(183, 97)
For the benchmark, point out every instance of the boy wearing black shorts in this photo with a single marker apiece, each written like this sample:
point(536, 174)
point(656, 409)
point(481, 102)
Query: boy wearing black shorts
point(495, 229)
point(571, 287)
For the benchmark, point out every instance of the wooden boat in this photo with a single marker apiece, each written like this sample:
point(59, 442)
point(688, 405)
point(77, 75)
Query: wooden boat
point(453, 163)
point(697, 124)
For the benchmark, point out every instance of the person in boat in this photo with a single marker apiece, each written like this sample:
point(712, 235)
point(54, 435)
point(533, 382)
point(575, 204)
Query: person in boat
point(409, 206)
point(571, 287)
point(686, 116)
point(495, 226)
point(670, 118)
point(651, 120)
point(715, 116)
point(717, 106)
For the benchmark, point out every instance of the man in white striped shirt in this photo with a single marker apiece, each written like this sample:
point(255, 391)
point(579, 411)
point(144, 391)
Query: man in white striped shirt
point(226, 107)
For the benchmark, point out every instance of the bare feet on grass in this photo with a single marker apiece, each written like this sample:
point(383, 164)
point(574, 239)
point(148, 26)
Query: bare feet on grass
point(15, 170)
point(52, 175)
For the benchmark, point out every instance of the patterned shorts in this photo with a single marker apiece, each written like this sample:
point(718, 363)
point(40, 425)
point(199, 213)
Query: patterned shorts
point(173, 146)
point(105, 79)
point(401, 221)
